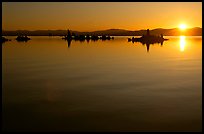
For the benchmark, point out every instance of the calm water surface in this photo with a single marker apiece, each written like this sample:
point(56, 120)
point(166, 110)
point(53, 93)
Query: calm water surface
point(102, 86)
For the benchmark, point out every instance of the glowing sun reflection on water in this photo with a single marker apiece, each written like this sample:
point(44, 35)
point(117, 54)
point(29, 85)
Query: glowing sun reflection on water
point(182, 43)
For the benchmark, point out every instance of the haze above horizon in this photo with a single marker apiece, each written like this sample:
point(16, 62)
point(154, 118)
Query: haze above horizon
point(93, 16)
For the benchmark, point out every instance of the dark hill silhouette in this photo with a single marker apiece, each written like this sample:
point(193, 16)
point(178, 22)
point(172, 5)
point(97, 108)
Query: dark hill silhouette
point(111, 32)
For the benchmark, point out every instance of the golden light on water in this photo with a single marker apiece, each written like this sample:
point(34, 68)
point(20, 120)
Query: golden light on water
point(182, 43)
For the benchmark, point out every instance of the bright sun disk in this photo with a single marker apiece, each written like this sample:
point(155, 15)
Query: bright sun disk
point(182, 26)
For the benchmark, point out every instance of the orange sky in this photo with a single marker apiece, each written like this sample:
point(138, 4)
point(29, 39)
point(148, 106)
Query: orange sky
point(91, 16)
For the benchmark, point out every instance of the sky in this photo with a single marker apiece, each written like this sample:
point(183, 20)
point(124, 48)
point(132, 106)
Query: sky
point(92, 16)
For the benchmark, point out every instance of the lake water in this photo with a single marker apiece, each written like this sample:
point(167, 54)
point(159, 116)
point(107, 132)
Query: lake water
point(111, 85)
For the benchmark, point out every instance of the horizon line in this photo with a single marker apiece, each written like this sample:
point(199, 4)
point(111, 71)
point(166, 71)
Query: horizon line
point(97, 30)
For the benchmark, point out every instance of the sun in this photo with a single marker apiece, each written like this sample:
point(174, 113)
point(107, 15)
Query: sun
point(182, 26)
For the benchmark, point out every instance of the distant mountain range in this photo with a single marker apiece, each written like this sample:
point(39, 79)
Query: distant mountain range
point(111, 32)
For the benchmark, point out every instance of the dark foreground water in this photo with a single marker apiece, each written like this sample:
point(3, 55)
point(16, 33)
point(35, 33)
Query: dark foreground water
point(102, 86)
